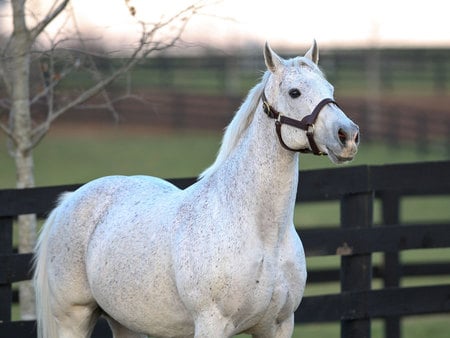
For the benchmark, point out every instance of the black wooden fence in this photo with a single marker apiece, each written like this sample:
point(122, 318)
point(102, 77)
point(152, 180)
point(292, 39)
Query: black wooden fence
point(354, 241)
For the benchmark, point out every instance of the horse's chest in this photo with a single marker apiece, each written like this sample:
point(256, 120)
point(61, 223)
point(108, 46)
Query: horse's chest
point(282, 281)
point(243, 287)
point(269, 293)
point(249, 291)
point(235, 271)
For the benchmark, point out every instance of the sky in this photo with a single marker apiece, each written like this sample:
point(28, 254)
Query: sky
point(287, 23)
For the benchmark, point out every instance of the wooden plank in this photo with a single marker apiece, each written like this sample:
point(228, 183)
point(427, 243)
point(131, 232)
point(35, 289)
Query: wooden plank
point(6, 234)
point(183, 183)
point(413, 178)
point(31, 200)
point(323, 275)
point(15, 268)
point(391, 215)
point(409, 301)
point(329, 184)
point(102, 329)
point(378, 239)
point(22, 329)
point(425, 269)
point(27, 329)
point(6, 247)
point(356, 269)
point(353, 305)
point(406, 270)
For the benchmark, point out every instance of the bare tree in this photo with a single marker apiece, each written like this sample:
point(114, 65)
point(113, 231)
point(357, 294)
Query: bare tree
point(22, 57)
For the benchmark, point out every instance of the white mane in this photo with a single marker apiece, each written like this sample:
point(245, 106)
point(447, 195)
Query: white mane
point(237, 126)
point(244, 115)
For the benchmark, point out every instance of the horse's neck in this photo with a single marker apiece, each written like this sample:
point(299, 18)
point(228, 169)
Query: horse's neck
point(262, 175)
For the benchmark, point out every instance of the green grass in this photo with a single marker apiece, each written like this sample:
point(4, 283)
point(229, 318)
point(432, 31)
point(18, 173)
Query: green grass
point(80, 155)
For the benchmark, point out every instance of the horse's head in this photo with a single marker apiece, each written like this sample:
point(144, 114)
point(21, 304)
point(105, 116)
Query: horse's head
point(300, 99)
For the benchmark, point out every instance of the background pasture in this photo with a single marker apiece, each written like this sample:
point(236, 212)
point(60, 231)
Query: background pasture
point(87, 151)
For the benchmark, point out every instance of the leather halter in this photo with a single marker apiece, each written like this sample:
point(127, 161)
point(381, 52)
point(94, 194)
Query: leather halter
point(306, 124)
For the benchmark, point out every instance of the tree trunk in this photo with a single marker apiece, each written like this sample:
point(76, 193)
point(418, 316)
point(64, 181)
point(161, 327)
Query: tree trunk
point(22, 138)
point(18, 70)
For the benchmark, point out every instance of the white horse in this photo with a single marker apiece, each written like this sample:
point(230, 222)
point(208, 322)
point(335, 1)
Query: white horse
point(219, 258)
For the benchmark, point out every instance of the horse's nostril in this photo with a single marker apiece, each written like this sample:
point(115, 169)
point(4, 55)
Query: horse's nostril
point(342, 136)
point(357, 138)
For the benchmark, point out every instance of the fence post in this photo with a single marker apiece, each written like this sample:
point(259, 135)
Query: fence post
point(392, 269)
point(6, 247)
point(356, 270)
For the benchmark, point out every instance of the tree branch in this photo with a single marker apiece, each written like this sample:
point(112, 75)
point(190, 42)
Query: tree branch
point(147, 45)
point(48, 89)
point(6, 130)
point(39, 132)
point(51, 15)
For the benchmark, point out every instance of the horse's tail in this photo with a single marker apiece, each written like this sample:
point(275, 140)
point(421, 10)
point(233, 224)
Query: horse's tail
point(46, 322)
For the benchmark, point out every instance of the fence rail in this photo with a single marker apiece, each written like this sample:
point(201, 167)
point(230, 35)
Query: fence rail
point(354, 241)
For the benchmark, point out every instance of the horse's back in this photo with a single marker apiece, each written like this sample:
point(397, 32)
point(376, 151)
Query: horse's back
point(80, 212)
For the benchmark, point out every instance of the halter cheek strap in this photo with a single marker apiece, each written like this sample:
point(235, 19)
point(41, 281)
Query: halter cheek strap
point(306, 124)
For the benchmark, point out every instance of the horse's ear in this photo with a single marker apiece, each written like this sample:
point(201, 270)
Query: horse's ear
point(313, 53)
point(273, 61)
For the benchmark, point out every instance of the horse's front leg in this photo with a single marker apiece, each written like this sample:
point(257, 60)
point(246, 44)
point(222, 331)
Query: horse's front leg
point(212, 324)
point(120, 331)
point(284, 329)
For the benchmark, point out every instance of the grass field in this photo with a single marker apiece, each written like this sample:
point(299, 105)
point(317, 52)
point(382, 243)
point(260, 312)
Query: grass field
point(79, 155)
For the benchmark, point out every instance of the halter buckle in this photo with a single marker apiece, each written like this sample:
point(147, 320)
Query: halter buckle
point(266, 108)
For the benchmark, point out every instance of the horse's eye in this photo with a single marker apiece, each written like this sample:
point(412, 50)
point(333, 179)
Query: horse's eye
point(294, 93)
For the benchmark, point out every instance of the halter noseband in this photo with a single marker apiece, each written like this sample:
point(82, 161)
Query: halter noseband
point(306, 124)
